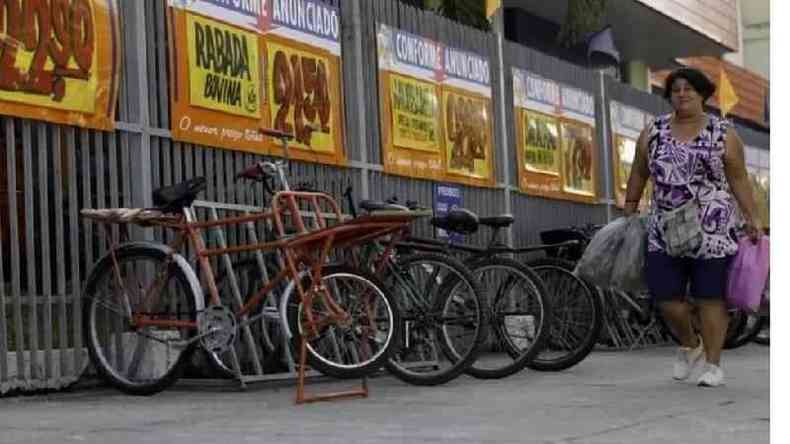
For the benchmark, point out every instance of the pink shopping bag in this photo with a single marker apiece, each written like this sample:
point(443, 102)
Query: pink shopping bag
point(749, 274)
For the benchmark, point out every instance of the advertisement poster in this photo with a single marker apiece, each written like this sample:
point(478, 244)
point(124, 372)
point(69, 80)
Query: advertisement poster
point(556, 149)
point(467, 133)
point(541, 143)
point(240, 66)
point(415, 106)
point(627, 123)
point(577, 158)
point(67, 71)
point(758, 167)
point(435, 109)
point(446, 197)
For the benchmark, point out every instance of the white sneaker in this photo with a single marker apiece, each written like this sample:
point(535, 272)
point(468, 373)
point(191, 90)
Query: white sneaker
point(687, 359)
point(713, 377)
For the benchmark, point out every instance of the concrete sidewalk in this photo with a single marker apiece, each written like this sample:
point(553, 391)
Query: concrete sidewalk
point(611, 397)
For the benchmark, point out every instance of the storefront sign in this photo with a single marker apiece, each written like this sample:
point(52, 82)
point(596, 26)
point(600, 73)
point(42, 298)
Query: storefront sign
point(435, 108)
point(60, 61)
point(556, 146)
point(447, 197)
point(258, 64)
point(627, 123)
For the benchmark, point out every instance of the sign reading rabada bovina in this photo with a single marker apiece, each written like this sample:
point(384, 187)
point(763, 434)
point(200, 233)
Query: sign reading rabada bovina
point(435, 110)
point(60, 61)
point(241, 66)
point(555, 130)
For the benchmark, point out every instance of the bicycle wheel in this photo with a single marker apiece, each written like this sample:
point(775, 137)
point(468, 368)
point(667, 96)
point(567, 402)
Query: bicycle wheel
point(753, 324)
point(443, 318)
point(354, 348)
point(517, 307)
point(139, 361)
point(764, 336)
point(577, 316)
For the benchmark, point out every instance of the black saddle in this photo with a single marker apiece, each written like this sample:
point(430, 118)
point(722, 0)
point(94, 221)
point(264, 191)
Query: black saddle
point(459, 220)
point(501, 221)
point(174, 198)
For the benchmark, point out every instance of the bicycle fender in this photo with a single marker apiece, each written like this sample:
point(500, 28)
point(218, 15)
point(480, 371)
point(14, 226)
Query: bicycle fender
point(284, 305)
point(179, 260)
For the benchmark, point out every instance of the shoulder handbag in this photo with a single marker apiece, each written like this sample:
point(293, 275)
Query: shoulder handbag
point(682, 227)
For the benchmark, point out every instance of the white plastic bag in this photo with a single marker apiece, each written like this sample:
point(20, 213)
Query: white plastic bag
point(615, 256)
point(597, 262)
point(628, 273)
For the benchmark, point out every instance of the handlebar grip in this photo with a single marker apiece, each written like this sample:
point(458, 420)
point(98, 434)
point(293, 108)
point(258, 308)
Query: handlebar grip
point(275, 133)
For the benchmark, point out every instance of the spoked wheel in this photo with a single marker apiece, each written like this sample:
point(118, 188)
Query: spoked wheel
point(139, 360)
point(518, 317)
point(764, 336)
point(577, 316)
point(443, 318)
point(356, 346)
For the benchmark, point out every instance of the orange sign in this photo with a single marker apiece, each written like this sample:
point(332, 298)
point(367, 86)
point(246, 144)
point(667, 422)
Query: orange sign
point(60, 61)
point(228, 82)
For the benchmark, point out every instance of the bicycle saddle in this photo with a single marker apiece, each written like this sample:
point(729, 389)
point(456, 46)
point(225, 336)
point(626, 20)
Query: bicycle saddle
point(372, 206)
point(459, 220)
point(501, 221)
point(174, 198)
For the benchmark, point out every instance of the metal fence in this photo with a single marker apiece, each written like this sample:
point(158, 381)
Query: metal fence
point(48, 172)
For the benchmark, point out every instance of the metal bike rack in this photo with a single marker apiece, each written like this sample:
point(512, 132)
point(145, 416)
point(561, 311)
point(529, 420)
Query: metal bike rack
point(270, 311)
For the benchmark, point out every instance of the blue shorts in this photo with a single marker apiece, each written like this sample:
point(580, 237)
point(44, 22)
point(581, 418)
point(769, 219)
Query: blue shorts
point(668, 277)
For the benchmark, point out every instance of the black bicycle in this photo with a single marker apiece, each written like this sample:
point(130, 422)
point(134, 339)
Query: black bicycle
point(520, 294)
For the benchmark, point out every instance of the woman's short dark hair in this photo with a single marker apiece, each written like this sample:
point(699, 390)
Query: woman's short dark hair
point(698, 80)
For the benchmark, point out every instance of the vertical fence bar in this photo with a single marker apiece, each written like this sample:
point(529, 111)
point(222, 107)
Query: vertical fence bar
point(60, 246)
point(87, 196)
point(45, 268)
point(30, 270)
point(3, 316)
point(14, 239)
point(607, 147)
point(74, 225)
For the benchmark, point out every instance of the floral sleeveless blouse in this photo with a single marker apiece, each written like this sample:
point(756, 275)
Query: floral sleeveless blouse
point(694, 169)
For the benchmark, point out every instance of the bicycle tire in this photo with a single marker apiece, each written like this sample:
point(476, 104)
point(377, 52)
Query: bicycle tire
point(445, 295)
point(519, 285)
point(337, 369)
point(186, 304)
point(753, 324)
point(764, 339)
point(550, 269)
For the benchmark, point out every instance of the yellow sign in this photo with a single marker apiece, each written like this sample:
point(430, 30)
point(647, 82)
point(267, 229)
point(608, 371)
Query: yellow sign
point(467, 129)
point(223, 67)
point(541, 143)
point(299, 97)
point(60, 61)
point(577, 158)
point(626, 152)
point(415, 114)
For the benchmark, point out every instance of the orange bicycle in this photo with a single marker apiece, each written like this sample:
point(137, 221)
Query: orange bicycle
point(145, 310)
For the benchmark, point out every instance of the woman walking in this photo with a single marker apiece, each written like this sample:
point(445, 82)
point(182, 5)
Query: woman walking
point(696, 162)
